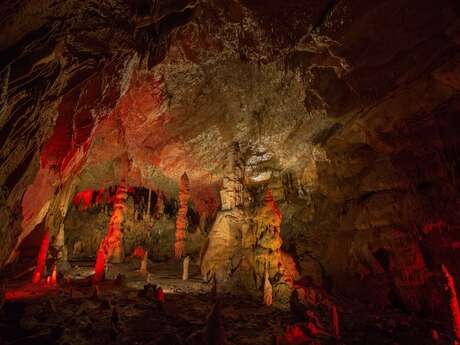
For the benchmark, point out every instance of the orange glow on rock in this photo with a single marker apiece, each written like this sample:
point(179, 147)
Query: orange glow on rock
point(54, 276)
point(181, 221)
point(100, 264)
point(41, 261)
point(270, 202)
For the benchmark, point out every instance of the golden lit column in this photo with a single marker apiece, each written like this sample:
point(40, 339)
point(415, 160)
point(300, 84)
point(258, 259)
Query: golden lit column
point(181, 221)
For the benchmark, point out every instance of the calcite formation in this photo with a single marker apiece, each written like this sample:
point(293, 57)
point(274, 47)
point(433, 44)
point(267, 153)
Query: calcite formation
point(244, 245)
point(185, 268)
point(453, 303)
point(41, 258)
point(268, 289)
point(181, 220)
point(114, 239)
point(346, 110)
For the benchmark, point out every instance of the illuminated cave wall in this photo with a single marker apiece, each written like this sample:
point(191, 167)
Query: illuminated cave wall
point(347, 111)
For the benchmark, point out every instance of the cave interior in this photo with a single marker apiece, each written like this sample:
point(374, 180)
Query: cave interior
point(210, 172)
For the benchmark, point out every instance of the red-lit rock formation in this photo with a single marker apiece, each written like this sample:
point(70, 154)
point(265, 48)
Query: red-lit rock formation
point(453, 303)
point(99, 268)
point(41, 259)
point(335, 322)
point(114, 237)
point(181, 220)
point(111, 246)
point(346, 110)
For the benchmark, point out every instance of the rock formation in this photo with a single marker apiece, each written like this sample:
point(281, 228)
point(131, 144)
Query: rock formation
point(221, 255)
point(268, 290)
point(41, 258)
point(181, 221)
point(144, 263)
point(453, 303)
point(185, 268)
point(335, 322)
point(346, 110)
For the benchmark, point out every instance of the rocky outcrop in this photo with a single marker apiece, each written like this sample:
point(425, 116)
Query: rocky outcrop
point(244, 245)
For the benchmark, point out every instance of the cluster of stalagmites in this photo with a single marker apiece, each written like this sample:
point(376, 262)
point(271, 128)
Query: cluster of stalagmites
point(243, 252)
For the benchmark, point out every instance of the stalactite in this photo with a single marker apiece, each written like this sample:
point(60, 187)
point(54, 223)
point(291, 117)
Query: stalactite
point(41, 261)
point(335, 322)
point(185, 267)
point(268, 290)
point(453, 303)
point(181, 221)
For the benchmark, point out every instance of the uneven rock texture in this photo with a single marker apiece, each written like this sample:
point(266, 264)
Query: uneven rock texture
point(346, 110)
point(181, 220)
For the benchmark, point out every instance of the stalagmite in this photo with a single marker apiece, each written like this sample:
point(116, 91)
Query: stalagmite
point(335, 322)
point(144, 261)
point(453, 303)
point(186, 265)
point(268, 290)
point(41, 261)
point(111, 247)
point(115, 233)
point(160, 296)
point(149, 201)
point(61, 249)
point(181, 221)
point(54, 275)
point(100, 263)
point(160, 206)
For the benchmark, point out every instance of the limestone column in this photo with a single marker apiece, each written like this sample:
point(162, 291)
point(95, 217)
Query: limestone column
point(114, 236)
point(181, 221)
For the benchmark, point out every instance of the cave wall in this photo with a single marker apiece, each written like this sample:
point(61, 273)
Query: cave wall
point(346, 110)
point(359, 112)
point(63, 68)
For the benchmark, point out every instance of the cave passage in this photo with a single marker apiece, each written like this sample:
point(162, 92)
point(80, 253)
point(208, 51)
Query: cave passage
point(229, 172)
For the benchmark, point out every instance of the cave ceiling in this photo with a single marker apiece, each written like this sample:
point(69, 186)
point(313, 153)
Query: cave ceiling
point(172, 85)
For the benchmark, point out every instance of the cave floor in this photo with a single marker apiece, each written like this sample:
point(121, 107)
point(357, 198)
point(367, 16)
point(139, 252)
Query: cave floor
point(71, 314)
